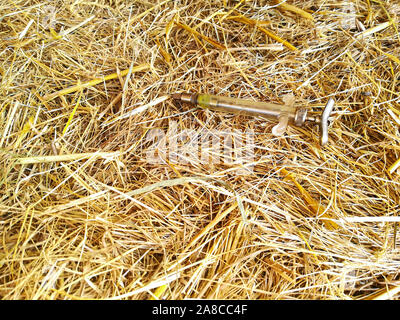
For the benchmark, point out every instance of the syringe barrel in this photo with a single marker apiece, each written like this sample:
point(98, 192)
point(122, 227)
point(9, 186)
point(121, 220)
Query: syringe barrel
point(245, 107)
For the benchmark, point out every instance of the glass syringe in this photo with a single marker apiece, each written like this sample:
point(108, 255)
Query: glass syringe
point(286, 114)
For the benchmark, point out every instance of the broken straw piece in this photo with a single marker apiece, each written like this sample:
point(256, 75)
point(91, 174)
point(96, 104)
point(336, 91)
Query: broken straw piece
point(373, 30)
point(394, 166)
point(269, 33)
point(66, 157)
point(93, 82)
point(294, 9)
point(202, 36)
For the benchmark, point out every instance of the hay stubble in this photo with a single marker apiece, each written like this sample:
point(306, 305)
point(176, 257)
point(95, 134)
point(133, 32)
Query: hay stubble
point(83, 213)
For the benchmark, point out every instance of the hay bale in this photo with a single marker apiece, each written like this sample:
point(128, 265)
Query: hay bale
point(89, 207)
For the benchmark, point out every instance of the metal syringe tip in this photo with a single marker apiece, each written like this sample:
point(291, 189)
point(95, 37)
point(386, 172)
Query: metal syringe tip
point(176, 96)
point(185, 97)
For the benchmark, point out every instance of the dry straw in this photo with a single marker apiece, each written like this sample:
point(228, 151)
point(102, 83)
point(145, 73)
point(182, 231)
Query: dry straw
point(84, 214)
